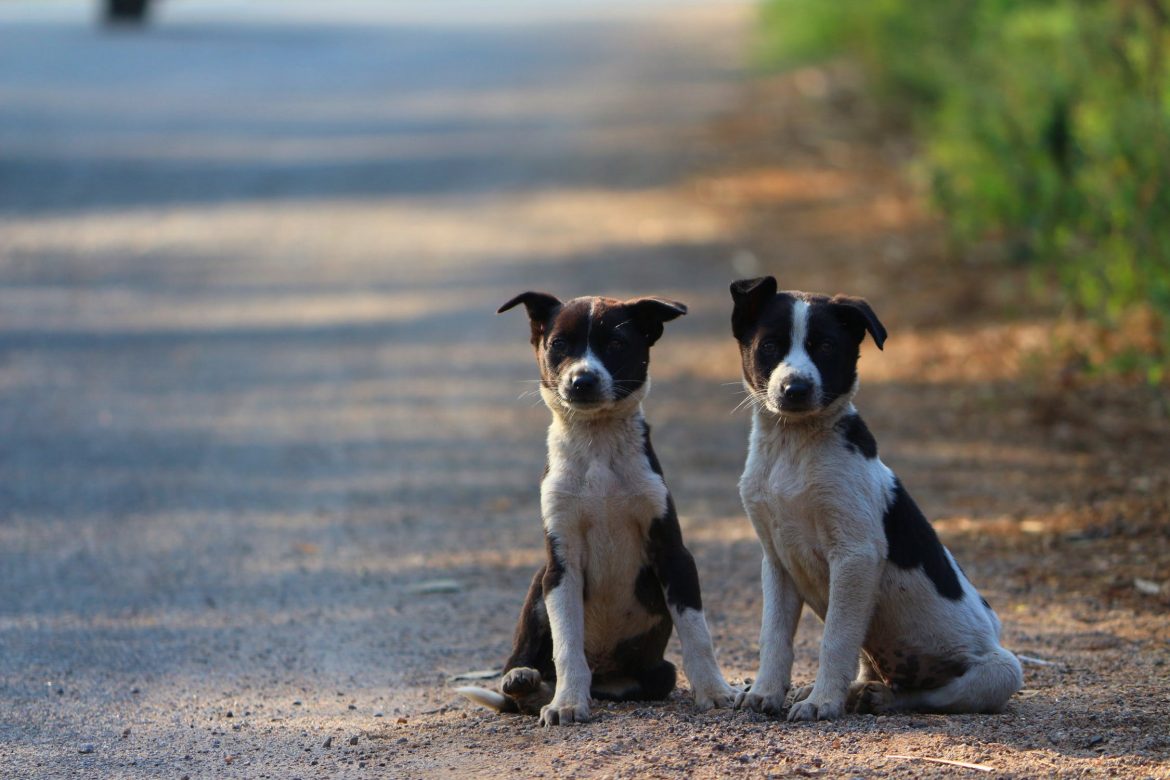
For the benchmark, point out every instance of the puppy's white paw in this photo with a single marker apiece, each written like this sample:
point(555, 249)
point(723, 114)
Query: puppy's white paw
point(767, 703)
point(814, 708)
point(562, 714)
point(718, 695)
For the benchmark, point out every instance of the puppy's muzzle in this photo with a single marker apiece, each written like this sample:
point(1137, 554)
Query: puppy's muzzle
point(797, 395)
point(584, 387)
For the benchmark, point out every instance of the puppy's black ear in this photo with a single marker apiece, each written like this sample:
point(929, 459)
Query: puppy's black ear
point(651, 313)
point(749, 295)
point(857, 314)
point(541, 307)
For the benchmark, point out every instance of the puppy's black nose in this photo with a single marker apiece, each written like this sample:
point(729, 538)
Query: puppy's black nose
point(798, 391)
point(586, 384)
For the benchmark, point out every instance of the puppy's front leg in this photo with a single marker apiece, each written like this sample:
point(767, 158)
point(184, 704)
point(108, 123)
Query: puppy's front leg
point(782, 607)
point(675, 568)
point(853, 582)
point(564, 600)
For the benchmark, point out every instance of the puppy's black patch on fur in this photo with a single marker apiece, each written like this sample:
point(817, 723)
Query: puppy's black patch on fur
point(555, 568)
point(749, 295)
point(919, 672)
point(833, 348)
point(643, 652)
point(857, 315)
point(565, 338)
point(658, 681)
point(912, 543)
point(953, 667)
point(639, 658)
point(857, 436)
point(905, 674)
point(650, 314)
point(648, 592)
point(672, 562)
point(926, 673)
point(985, 604)
point(765, 338)
point(648, 448)
point(621, 346)
point(532, 642)
point(541, 308)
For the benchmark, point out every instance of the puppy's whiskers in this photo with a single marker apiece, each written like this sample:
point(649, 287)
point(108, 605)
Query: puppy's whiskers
point(751, 398)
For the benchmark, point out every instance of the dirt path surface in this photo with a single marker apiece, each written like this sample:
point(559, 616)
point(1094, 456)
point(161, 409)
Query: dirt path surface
point(266, 483)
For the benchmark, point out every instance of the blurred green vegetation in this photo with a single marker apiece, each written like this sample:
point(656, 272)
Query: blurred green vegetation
point(1045, 128)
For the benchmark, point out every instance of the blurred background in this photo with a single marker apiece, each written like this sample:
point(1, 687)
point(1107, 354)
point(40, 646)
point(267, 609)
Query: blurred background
point(1041, 131)
point(269, 462)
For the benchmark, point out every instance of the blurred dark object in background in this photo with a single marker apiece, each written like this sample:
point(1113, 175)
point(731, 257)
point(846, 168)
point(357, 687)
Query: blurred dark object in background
point(126, 11)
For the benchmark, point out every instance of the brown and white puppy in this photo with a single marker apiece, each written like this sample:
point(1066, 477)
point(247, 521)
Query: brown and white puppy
point(600, 611)
point(840, 533)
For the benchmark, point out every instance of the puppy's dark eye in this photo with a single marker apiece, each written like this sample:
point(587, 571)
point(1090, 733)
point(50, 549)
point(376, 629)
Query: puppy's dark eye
point(615, 345)
point(558, 344)
point(769, 348)
point(823, 347)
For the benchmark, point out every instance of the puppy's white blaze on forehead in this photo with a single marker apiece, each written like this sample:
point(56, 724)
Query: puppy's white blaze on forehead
point(797, 362)
point(588, 363)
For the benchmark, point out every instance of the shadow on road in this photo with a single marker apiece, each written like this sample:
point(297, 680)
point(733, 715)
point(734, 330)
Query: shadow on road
point(192, 112)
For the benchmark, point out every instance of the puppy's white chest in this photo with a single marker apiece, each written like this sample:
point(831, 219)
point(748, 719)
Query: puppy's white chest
point(596, 468)
point(600, 489)
point(788, 481)
point(603, 492)
point(788, 530)
point(810, 501)
point(782, 485)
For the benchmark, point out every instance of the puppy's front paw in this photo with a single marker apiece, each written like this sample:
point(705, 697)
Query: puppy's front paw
point(815, 708)
point(563, 713)
point(767, 703)
point(719, 695)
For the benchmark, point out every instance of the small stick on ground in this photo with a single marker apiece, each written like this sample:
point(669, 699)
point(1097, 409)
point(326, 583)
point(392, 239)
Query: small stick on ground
point(1034, 661)
point(948, 762)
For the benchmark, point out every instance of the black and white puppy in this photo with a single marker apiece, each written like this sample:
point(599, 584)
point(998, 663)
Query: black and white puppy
point(599, 613)
point(840, 533)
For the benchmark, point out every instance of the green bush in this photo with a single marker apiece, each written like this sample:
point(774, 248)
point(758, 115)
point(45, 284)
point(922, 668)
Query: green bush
point(1045, 126)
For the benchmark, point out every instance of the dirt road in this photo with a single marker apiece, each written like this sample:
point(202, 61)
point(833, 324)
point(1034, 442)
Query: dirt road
point(268, 471)
point(253, 395)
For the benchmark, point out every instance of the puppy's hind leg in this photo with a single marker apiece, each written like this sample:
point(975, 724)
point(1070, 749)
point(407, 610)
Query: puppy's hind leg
point(985, 686)
point(525, 686)
point(658, 681)
point(645, 675)
point(653, 684)
point(868, 695)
